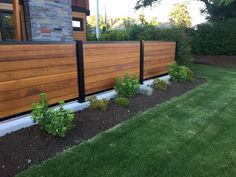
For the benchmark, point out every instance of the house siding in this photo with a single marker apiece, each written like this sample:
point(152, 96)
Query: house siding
point(51, 20)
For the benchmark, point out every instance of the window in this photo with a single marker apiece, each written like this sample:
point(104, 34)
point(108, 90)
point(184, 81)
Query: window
point(7, 26)
point(78, 24)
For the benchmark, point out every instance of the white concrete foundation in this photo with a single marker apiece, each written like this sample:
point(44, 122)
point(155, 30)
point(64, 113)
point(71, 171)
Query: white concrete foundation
point(25, 121)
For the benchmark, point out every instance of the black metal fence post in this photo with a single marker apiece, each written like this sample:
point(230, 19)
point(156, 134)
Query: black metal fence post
point(176, 50)
point(80, 67)
point(141, 62)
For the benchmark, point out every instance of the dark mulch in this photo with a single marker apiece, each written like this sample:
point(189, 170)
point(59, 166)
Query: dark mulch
point(225, 61)
point(21, 149)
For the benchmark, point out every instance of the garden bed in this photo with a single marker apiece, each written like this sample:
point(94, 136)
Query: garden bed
point(21, 149)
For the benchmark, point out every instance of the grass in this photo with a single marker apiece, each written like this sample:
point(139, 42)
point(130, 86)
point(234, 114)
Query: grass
point(193, 135)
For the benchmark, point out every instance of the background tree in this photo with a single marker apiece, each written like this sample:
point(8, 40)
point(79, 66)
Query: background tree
point(142, 19)
point(154, 22)
point(217, 10)
point(103, 22)
point(180, 16)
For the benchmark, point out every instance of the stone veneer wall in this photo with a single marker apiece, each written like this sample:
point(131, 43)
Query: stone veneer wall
point(50, 20)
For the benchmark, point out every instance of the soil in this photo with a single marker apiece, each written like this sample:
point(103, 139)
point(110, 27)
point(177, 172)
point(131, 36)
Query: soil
point(225, 61)
point(29, 146)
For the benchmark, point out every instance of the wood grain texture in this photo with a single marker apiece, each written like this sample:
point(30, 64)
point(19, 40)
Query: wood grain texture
point(157, 57)
point(80, 35)
point(103, 63)
point(28, 70)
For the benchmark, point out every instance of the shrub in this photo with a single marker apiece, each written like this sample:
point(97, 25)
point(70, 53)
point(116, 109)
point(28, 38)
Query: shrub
point(159, 84)
point(180, 73)
point(114, 35)
point(127, 87)
point(217, 38)
point(123, 102)
point(101, 105)
point(55, 122)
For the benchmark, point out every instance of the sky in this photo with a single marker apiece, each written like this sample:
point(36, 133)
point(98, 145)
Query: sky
point(124, 8)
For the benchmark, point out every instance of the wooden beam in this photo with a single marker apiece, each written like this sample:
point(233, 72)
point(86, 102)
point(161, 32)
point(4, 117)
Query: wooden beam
point(16, 13)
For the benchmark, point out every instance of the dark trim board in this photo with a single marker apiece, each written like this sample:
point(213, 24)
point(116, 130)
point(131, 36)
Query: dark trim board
point(111, 42)
point(81, 9)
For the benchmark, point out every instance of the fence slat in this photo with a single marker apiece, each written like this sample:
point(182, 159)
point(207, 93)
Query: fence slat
point(72, 71)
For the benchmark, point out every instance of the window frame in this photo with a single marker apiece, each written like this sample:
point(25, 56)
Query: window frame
point(2, 25)
point(81, 20)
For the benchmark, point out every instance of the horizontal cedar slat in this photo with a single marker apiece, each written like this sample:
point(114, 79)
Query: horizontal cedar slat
point(22, 93)
point(97, 78)
point(102, 65)
point(158, 61)
point(107, 51)
point(104, 58)
point(162, 53)
point(30, 73)
point(36, 63)
point(160, 58)
point(36, 47)
point(110, 45)
point(156, 66)
point(154, 73)
point(29, 106)
point(33, 99)
point(30, 82)
point(29, 55)
point(103, 84)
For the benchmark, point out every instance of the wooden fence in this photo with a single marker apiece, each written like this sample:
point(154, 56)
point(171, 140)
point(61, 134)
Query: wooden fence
point(62, 70)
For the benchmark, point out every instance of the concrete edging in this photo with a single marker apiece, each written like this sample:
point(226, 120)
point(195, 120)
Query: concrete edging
point(25, 121)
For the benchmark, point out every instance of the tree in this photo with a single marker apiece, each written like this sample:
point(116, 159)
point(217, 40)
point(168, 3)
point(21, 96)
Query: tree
point(180, 16)
point(142, 19)
point(154, 22)
point(103, 22)
point(217, 10)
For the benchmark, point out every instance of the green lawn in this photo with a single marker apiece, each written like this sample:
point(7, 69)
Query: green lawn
point(193, 135)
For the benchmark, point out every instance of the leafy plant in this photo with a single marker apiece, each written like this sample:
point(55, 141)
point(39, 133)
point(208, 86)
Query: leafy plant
point(180, 73)
point(55, 122)
point(127, 87)
point(101, 105)
point(114, 35)
point(123, 102)
point(159, 84)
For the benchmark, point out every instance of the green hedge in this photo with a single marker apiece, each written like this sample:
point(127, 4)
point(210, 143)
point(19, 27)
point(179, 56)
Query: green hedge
point(179, 34)
point(114, 35)
point(148, 32)
point(214, 39)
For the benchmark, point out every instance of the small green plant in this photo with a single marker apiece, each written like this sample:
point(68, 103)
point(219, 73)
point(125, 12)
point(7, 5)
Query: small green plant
point(101, 105)
point(55, 122)
point(127, 87)
point(159, 84)
point(122, 102)
point(180, 73)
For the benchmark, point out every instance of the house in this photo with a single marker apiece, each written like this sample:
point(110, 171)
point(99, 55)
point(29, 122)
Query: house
point(43, 20)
